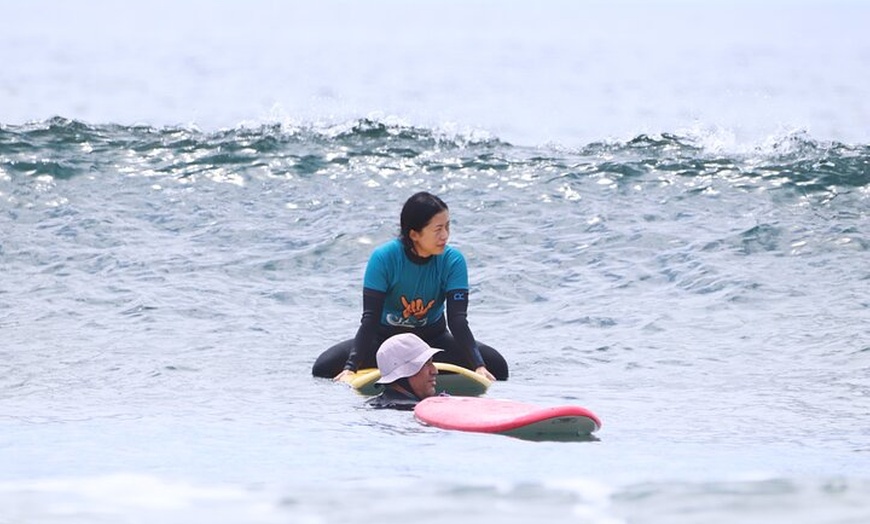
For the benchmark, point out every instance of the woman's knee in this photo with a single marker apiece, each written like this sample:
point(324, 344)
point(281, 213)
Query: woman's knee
point(332, 361)
point(495, 362)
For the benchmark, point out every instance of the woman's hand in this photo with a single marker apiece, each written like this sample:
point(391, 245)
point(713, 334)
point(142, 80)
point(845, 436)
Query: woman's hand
point(345, 376)
point(482, 371)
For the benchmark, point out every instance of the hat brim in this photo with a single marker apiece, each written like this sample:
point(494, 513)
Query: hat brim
point(410, 368)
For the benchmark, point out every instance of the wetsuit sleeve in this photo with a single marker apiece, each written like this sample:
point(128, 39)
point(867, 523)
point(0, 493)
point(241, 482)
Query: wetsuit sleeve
point(457, 321)
point(363, 349)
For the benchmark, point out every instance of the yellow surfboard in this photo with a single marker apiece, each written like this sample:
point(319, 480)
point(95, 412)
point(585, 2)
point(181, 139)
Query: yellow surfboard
point(452, 379)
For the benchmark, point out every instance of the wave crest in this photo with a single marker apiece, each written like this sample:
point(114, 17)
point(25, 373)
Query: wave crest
point(60, 148)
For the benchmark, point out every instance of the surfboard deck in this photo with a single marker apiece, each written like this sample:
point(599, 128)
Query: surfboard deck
point(452, 379)
point(508, 417)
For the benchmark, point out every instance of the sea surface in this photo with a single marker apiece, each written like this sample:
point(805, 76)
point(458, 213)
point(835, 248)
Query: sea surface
point(663, 205)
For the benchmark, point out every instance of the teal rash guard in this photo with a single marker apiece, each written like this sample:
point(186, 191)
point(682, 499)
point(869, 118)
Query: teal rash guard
point(406, 293)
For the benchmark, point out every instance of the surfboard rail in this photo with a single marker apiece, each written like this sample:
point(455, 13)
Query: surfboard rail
point(452, 379)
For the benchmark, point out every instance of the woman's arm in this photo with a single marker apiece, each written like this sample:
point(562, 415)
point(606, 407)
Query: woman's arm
point(363, 346)
point(457, 321)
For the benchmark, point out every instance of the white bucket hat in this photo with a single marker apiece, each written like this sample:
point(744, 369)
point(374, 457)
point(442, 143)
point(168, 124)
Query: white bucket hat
point(402, 356)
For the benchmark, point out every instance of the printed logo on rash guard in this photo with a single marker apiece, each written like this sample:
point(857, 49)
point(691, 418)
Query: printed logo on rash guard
point(414, 314)
point(416, 308)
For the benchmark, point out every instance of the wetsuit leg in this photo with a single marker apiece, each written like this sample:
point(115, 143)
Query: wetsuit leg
point(331, 362)
point(495, 362)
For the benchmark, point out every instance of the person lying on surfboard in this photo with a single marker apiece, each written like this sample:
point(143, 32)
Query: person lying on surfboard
point(408, 374)
point(418, 284)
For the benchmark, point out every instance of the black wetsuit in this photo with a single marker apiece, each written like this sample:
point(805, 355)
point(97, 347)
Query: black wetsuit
point(394, 396)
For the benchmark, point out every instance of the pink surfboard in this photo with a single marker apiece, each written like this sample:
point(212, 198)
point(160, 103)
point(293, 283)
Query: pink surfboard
point(507, 417)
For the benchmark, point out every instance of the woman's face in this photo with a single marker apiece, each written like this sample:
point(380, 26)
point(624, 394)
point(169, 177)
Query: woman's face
point(432, 239)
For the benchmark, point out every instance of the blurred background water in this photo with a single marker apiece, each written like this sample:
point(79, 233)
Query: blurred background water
point(663, 206)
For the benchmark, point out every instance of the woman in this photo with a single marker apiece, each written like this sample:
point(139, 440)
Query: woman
point(408, 282)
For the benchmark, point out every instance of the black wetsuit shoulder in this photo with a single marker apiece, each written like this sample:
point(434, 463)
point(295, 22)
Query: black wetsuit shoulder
point(394, 398)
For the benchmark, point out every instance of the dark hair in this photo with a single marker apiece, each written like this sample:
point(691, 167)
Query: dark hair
point(416, 214)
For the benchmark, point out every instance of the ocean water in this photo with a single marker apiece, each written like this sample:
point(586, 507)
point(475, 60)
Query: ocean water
point(664, 207)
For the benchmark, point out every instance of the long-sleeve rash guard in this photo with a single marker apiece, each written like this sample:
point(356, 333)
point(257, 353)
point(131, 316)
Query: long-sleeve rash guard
point(406, 293)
